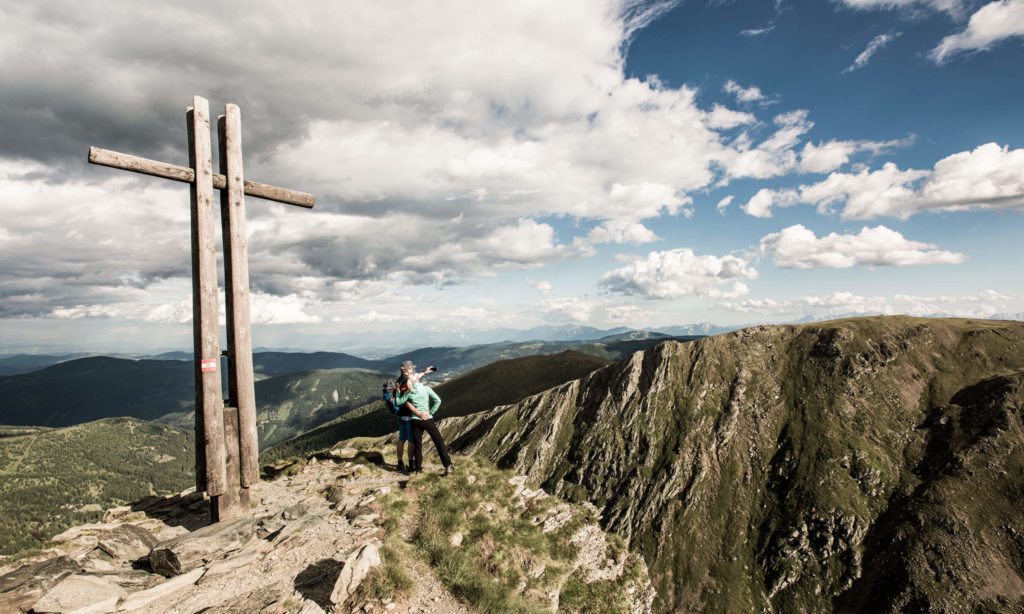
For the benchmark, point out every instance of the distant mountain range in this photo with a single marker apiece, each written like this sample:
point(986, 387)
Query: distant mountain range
point(26, 363)
point(498, 383)
point(85, 389)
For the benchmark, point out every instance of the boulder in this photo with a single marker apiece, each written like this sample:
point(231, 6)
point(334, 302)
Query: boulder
point(185, 553)
point(81, 595)
point(127, 542)
point(357, 565)
point(28, 583)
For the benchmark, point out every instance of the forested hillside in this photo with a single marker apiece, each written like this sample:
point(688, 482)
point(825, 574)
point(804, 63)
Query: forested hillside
point(52, 479)
point(88, 389)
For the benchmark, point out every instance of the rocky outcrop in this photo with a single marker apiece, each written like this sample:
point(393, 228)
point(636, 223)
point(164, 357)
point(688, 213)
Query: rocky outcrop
point(357, 565)
point(315, 539)
point(872, 464)
point(195, 549)
point(243, 565)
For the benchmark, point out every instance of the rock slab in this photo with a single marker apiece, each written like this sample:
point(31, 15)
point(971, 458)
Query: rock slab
point(357, 565)
point(183, 554)
point(81, 595)
point(127, 542)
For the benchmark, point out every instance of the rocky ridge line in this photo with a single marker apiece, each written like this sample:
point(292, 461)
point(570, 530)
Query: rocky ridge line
point(869, 464)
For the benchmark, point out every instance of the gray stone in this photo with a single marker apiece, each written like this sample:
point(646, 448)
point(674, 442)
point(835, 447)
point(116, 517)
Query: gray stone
point(357, 565)
point(81, 595)
point(185, 553)
point(36, 579)
point(263, 599)
point(340, 454)
point(239, 561)
point(14, 603)
point(302, 524)
point(142, 598)
point(365, 519)
point(164, 533)
point(310, 607)
point(356, 512)
point(131, 580)
point(115, 514)
point(98, 561)
point(269, 527)
point(128, 542)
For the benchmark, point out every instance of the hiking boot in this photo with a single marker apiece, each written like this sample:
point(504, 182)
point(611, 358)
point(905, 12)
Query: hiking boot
point(401, 467)
point(450, 469)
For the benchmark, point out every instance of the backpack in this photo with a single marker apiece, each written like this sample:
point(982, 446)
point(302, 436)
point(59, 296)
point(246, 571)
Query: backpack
point(388, 392)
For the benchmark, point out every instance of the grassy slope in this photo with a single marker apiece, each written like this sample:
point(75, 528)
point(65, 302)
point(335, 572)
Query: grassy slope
point(776, 467)
point(505, 563)
point(47, 476)
point(499, 383)
point(287, 405)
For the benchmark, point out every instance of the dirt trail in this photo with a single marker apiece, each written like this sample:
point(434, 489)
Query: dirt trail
point(430, 594)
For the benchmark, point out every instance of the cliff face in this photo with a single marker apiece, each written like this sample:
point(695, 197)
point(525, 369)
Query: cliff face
point(871, 464)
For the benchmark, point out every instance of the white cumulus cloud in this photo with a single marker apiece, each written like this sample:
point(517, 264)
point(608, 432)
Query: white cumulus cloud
point(994, 22)
point(988, 177)
point(724, 203)
point(723, 118)
point(680, 272)
point(798, 247)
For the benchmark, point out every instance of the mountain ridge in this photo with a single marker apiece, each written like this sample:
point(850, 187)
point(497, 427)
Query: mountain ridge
point(760, 469)
point(497, 383)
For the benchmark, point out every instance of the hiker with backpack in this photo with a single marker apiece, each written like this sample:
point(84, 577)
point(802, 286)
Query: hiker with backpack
point(403, 414)
point(424, 405)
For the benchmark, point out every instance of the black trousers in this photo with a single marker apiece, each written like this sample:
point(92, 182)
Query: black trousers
point(418, 426)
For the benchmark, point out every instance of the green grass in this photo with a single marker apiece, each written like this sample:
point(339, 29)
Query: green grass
point(505, 563)
point(390, 582)
point(47, 478)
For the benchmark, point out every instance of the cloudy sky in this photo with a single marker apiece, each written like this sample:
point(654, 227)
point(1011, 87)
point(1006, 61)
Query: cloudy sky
point(517, 163)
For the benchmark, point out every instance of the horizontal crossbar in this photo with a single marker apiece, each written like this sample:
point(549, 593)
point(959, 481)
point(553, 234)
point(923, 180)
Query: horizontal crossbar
point(113, 159)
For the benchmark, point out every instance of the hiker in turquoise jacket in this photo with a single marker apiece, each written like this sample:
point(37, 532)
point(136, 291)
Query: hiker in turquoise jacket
point(425, 403)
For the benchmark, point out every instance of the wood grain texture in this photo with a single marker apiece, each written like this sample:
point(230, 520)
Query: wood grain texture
point(113, 159)
point(228, 504)
point(205, 325)
point(236, 282)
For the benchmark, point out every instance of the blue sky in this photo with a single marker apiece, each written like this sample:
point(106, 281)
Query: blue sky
point(602, 163)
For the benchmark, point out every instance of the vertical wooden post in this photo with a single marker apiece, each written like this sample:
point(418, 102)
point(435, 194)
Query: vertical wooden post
point(206, 328)
point(234, 503)
point(236, 286)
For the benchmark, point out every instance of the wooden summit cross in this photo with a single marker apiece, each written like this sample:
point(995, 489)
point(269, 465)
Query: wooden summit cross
point(227, 446)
